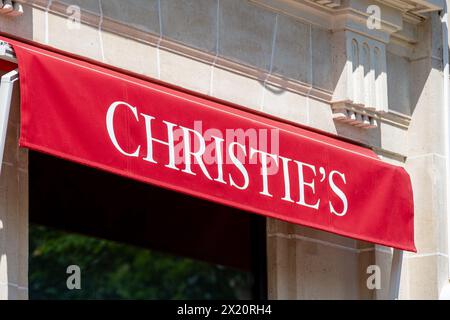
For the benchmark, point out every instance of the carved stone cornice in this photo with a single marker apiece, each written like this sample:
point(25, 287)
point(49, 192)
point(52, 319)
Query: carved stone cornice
point(11, 8)
point(415, 7)
point(352, 14)
point(411, 7)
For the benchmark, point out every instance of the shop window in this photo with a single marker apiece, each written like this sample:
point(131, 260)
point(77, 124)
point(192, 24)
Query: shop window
point(134, 241)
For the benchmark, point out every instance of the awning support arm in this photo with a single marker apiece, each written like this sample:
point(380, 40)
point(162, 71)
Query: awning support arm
point(7, 52)
point(396, 271)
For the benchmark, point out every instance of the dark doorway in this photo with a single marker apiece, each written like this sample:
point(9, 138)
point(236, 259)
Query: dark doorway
point(70, 200)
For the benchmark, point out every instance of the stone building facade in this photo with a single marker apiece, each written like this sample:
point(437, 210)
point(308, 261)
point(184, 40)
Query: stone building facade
point(370, 71)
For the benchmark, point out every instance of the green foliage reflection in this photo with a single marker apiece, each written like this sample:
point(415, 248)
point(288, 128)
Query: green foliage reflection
point(111, 270)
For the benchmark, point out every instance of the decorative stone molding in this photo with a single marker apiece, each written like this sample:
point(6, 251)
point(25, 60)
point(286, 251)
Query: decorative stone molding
point(417, 7)
point(362, 84)
point(11, 8)
point(360, 96)
point(328, 3)
point(355, 115)
point(366, 118)
point(411, 7)
point(366, 84)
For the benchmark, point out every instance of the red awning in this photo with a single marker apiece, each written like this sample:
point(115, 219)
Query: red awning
point(178, 140)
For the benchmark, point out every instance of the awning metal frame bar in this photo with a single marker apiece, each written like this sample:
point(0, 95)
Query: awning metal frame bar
point(396, 272)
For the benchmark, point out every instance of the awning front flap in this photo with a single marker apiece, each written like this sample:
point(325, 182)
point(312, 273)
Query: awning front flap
point(181, 141)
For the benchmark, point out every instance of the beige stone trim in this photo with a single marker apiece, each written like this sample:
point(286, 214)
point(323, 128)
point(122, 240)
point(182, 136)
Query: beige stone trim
point(318, 241)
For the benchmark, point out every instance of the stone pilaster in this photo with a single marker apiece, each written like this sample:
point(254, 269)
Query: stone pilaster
point(14, 212)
